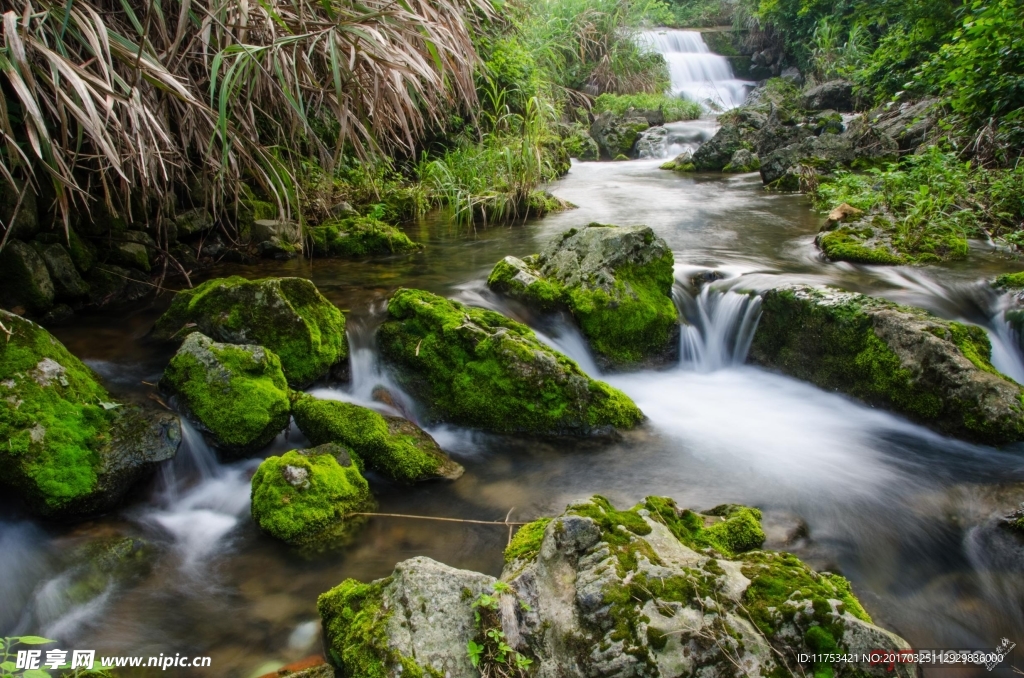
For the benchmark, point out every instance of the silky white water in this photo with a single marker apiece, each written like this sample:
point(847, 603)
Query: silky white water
point(695, 72)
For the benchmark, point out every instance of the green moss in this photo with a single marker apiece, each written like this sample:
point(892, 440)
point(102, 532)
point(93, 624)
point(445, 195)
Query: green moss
point(289, 316)
point(304, 496)
point(541, 293)
point(52, 418)
point(740, 531)
point(1014, 281)
point(842, 245)
point(525, 545)
point(82, 253)
point(778, 584)
point(673, 108)
point(974, 343)
point(358, 237)
point(393, 447)
point(636, 319)
point(477, 367)
point(820, 641)
point(238, 394)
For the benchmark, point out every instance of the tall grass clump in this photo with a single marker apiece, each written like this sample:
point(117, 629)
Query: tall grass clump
point(133, 100)
point(674, 108)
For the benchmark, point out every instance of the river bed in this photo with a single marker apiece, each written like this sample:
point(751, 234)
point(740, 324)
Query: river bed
point(904, 513)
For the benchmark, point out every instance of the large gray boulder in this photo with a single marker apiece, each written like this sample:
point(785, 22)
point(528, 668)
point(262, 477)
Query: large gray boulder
point(615, 280)
point(652, 591)
point(652, 143)
point(616, 135)
point(834, 94)
point(934, 371)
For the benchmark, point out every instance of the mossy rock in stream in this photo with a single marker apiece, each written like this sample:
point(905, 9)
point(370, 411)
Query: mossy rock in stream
point(934, 371)
point(235, 393)
point(477, 368)
point(305, 497)
point(617, 283)
point(653, 590)
point(71, 449)
point(289, 316)
point(393, 446)
point(358, 237)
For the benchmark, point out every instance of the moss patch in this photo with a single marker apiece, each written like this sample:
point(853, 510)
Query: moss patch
point(1013, 281)
point(237, 394)
point(303, 496)
point(478, 368)
point(525, 545)
point(359, 237)
point(289, 316)
point(739, 530)
point(53, 418)
point(392, 446)
point(844, 245)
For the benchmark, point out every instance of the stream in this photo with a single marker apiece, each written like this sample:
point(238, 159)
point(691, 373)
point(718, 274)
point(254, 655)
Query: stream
point(907, 515)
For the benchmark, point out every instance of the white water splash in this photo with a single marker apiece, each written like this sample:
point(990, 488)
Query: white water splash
point(696, 73)
point(720, 328)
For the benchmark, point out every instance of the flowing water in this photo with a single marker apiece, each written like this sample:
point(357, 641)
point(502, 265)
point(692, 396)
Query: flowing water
point(906, 514)
point(696, 73)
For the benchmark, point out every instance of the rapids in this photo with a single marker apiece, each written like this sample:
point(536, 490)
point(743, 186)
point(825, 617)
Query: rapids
point(906, 514)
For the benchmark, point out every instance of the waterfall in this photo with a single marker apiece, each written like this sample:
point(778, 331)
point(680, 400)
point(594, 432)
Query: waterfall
point(719, 331)
point(697, 74)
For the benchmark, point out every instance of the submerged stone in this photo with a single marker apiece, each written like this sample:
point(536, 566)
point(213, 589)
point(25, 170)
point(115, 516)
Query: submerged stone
point(72, 450)
point(289, 316)
point(934, 371)
point(306, 497)
point(392, 446)
point(650, 591)
point(617, 283)
point(359, 236)
point(477, 368)
point(235, 393)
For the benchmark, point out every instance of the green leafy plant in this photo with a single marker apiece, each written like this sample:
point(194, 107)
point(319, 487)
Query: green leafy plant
point(490, 651)
point(10, 648)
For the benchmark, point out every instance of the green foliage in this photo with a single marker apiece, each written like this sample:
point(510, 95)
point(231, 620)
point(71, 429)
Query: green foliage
point(492, 654)
point(289, 316)
point(739, 531)
point(844, 244)
point(1013, 281)
point(304, 497)
point(9, 646)
point(477, 367)
point(238, 394)
point(526, 542)
point(392, 446)
point(56, 417)
point(672, 107)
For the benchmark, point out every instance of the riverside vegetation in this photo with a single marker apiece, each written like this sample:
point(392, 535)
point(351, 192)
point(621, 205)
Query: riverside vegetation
point(229, 133)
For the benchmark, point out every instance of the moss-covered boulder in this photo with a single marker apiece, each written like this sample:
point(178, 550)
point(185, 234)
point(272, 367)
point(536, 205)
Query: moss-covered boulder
point(67, 282)
point(652, 591)
point(477, 368)
point(617, 283)
point(289, 316)
point(392, 446)
point(616, 135)
point(235, 393)
point(70, 448)
point(359, 237)
point(306, 497)
point(24, 279)
point(936, 372)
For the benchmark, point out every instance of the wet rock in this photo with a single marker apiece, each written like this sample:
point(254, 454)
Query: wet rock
point(111, 285)
point(236, 394)
point(305, 497)
point(343, 210)
point(418, 621)
point(936, 372)
point(651, 591)
point(24, 279)
point(68, 284)
point(792, 75)
point(617, 135)
point(541, 203)
point(742, 161)
point(192, 223)
point(357, 237)
point(392, 446)
point(580, 145)
point(834, 94)
point(130, 255)
point(477, 368)
point(277, 238)
point(782, 169)
point(289, 316)
point(908, 124)
point(681, 163)
point(652, 143)
point(715, 154)
point(26, 220)
point(60, 314)
point(72, 450)
point(617, 283)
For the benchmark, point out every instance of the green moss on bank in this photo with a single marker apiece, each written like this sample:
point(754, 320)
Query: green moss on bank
point(289, 316)
point(53, 419)
point(478, 368)
point(396, 448)
point(237, 394)
point(1012, 281)
point(527, 540)
point(359, 237)
point(303, 496)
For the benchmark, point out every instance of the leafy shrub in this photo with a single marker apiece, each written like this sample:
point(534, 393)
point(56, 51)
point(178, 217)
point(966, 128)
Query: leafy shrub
point(673, 108)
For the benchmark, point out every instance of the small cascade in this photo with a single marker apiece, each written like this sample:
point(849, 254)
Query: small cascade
point(697, 74)
point(720, 328)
